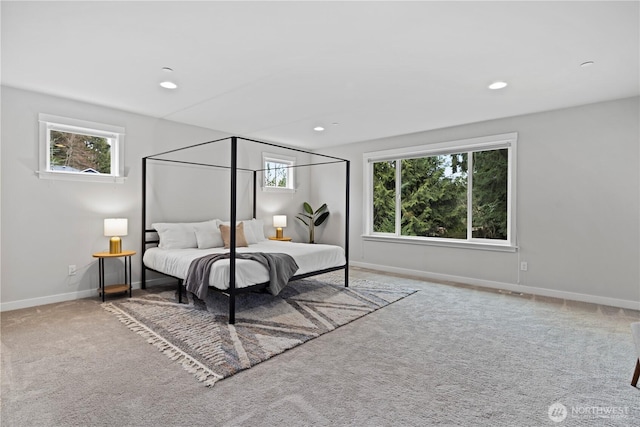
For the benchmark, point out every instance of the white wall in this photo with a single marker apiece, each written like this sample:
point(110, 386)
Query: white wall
point(578, 190)
point(578, 204)
point(329, 187)
point(48, 225)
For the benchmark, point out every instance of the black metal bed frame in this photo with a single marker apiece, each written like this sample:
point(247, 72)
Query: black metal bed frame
point(232, 291)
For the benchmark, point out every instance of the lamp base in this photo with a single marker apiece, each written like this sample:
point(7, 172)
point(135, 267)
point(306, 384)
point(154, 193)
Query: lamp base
point(279, 233)
point(115, 245)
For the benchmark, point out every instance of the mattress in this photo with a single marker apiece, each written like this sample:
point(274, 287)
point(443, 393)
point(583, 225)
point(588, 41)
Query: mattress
point(309, 257)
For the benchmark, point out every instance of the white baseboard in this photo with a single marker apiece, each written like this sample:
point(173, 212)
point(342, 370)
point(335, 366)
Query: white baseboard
point(594, 299)
point(70, 296)
point(573, 296)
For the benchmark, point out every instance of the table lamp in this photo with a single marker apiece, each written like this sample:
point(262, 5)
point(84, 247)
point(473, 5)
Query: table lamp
point(279, 222)
point(114, 228)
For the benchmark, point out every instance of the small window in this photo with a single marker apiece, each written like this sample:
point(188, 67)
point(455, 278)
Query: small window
point(278, 172)
point(80, 150)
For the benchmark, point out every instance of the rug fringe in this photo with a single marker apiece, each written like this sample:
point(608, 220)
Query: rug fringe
point(201, 372)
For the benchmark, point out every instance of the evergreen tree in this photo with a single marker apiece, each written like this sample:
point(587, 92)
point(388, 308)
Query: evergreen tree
point(490, 179)
point(434, 195)
point(384, 196)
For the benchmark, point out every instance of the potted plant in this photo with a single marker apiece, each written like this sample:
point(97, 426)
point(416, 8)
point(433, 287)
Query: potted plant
point(312, 218)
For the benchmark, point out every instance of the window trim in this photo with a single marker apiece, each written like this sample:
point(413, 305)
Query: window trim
point(278, 158)
point(48, 122)
point(484, 143)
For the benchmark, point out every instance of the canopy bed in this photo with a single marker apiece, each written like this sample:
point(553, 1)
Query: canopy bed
point(211, 255)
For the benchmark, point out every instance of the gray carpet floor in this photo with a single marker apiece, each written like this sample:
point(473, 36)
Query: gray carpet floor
point(446, 355)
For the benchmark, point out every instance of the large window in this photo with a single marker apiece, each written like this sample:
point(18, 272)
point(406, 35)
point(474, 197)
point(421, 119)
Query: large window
point(278, 172)
point(75, 149)
point(456, 193)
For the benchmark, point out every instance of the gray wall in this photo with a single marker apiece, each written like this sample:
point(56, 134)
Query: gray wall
point(47, 225)
point(578, 192)
point(578, 189)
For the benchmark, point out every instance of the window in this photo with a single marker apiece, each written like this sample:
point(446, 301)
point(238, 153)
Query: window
point(457, 193)
point(278, 172)
point(80, 150)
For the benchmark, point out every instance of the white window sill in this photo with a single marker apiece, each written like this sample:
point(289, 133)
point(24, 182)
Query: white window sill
point(82, 177)
point(451, 243)
point(278, 190)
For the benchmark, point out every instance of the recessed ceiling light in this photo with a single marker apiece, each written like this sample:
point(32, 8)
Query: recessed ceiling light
point(168, 85)
point(318, 128)
point(167, 69)
point(587, 64)
point(497, 85)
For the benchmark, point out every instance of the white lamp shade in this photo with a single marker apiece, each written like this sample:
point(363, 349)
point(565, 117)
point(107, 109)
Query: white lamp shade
point(279, 221)
point(115, 227)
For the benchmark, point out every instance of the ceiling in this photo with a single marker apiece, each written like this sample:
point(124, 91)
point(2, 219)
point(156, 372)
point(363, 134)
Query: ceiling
point(362, 70)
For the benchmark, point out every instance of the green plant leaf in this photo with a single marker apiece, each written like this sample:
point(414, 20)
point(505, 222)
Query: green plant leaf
point(307, 208)
point(305, 222)
point(321, 218)
point(320, 209)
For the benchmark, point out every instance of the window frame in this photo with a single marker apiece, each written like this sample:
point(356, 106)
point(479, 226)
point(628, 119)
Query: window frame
point(48, 123)
point(485, 143)
point(285, 160)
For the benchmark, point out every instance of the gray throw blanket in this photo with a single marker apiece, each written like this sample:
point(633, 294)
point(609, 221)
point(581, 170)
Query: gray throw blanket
point(281, 268)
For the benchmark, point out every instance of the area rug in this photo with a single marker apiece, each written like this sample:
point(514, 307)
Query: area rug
point(197, 334)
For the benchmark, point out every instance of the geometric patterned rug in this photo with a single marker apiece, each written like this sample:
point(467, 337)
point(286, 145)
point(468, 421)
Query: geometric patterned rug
point(197, 335)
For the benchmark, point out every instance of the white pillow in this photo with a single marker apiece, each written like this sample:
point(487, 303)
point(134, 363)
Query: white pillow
point(258, 229)
point(249, 230)
point(208, 235)
point(248, 233)
point(176, 235)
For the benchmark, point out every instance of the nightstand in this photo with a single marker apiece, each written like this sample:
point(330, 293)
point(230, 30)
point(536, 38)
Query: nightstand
point(113, 289)
point(281, 239)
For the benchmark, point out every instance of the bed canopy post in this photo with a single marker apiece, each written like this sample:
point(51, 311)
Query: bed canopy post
point(255, 186)
point(346, 220)
point(143, 270)
point(232, 232)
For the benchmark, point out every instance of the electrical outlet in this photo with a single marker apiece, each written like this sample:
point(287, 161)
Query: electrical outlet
point(72, 270)
point(524, 266)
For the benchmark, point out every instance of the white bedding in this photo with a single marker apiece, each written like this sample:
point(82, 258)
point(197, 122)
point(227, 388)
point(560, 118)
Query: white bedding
point(309, 257)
